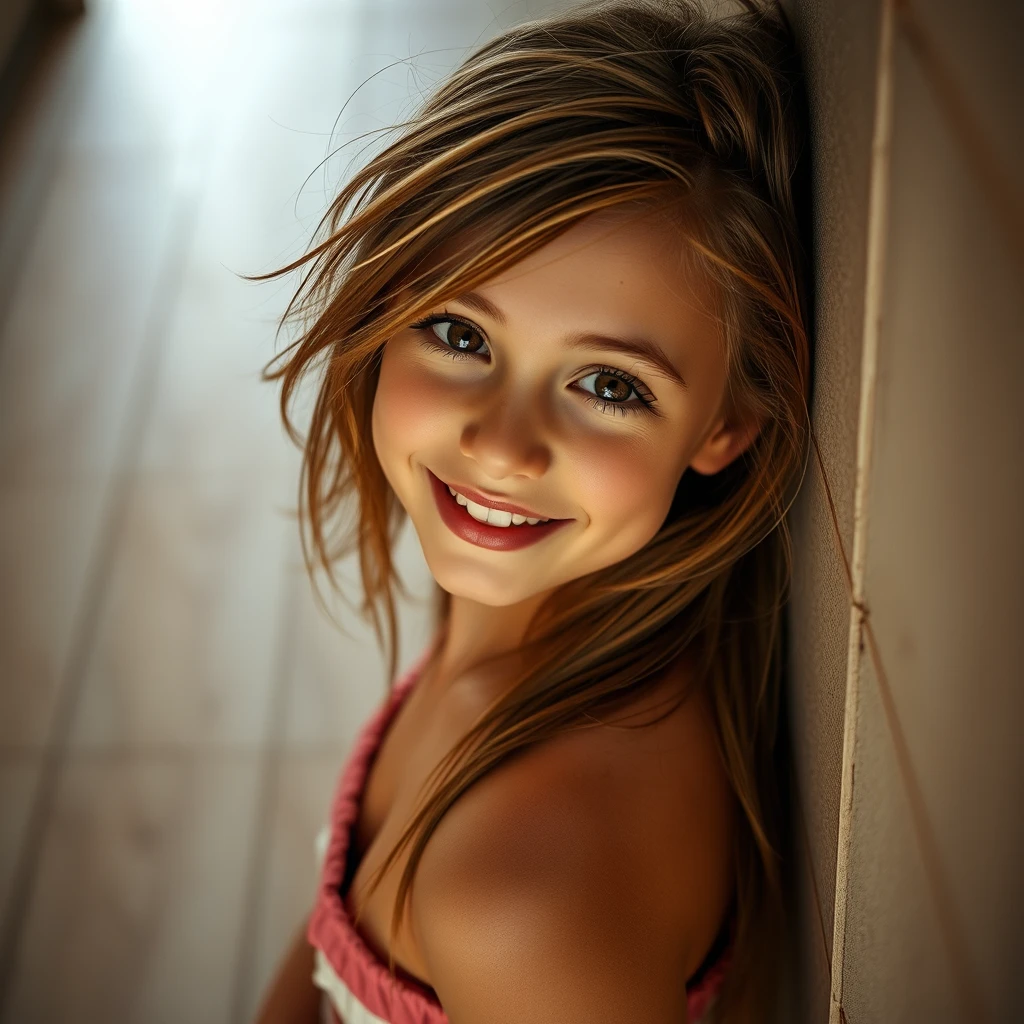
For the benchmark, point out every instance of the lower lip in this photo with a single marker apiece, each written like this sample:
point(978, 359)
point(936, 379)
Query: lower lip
point(484, 535)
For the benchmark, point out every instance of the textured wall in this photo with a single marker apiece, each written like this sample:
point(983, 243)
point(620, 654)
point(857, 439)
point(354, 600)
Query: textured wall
point(839, 42)
point(910, 768)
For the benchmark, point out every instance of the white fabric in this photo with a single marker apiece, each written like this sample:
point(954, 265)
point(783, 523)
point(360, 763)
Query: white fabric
point(323, 837)
point(325, 978)
point(345, 1003)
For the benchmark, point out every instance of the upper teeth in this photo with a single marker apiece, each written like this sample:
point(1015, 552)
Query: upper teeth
point(493, 516)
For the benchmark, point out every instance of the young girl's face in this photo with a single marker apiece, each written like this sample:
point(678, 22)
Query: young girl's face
point(531, 392)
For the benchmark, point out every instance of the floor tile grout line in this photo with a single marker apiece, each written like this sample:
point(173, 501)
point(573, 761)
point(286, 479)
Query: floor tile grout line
point(166, 292)
point(60, 35)
point(269, 790)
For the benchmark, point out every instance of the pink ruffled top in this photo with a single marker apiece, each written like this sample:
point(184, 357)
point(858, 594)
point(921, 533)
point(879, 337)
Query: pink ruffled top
point(358, 986)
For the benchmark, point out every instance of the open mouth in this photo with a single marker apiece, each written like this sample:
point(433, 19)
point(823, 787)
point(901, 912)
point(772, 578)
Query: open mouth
point(493, 516)
point(485, 526)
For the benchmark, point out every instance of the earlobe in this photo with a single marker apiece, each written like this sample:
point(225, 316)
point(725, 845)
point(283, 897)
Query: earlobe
point(727, 441)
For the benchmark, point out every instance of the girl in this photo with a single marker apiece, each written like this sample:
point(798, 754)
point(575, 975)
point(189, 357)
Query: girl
point(560, 322)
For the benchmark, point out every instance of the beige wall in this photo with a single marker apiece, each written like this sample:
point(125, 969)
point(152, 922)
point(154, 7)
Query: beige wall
point(839, 41)
point(906, 690)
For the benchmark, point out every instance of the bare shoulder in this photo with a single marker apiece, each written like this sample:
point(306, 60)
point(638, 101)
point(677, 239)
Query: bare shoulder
point(592, 872)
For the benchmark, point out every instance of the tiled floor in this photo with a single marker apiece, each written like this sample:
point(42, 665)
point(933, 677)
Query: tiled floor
point(173, 706)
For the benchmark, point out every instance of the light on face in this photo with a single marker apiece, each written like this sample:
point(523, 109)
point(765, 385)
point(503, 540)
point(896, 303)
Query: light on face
point(548, 388)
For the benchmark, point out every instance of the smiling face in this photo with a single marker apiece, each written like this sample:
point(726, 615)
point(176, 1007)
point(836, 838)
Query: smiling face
point(528, 392)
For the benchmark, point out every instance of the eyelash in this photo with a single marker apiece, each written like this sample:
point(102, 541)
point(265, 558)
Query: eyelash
point(645, 401)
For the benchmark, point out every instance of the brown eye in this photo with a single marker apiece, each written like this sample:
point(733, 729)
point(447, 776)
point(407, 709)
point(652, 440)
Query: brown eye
point(608, 386)
point(613, 388)
point(458, 336)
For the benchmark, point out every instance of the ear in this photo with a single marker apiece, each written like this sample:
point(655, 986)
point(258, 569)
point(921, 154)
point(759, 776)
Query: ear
point(729, 438)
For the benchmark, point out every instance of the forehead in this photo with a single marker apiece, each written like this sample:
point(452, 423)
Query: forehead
point(611, 255)
point(620, 271)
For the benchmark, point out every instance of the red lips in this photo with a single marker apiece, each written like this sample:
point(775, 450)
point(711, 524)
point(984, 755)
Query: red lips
point(486, 535)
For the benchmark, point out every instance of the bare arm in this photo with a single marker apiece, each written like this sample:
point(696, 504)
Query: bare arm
point(292, 998)
point(539, 897)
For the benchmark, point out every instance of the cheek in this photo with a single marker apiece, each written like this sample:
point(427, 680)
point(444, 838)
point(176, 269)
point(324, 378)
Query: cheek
point(408, 410)
point(626, 486)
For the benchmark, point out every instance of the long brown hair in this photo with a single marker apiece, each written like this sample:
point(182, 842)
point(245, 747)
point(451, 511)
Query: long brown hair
point(632, 101)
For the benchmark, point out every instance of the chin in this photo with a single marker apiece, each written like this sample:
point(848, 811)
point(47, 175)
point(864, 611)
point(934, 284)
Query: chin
point(476, 584)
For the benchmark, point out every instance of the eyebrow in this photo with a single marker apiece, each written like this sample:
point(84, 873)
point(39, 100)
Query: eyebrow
point(642, 347)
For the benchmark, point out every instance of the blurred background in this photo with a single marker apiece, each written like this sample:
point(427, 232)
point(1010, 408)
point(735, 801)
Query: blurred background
point(174, 708)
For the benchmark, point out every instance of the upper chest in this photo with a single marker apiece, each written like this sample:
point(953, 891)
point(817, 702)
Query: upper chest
point(422, 730)
point(641, 772)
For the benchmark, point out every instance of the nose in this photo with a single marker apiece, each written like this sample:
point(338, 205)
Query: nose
point(505, 439)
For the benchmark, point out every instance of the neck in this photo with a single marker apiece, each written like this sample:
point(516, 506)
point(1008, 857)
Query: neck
point(478, 633)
